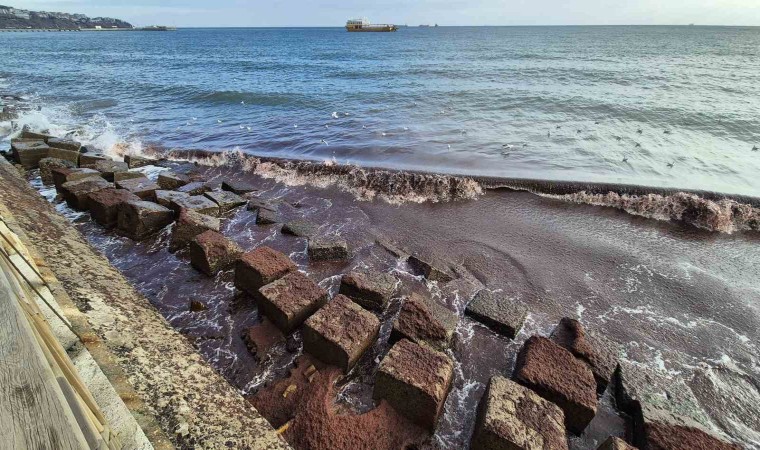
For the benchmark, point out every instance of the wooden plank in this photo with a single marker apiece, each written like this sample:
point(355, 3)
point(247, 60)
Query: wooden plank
point(34, 413)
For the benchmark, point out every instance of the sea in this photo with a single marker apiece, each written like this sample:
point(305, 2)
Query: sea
point(660, 106)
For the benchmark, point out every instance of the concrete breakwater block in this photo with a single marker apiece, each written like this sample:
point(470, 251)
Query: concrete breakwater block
point(260, 267)
point(210, 252)
point(165, 198)
point(104, 205)
point(27, 134)
point(88, 160)
point(601, 354)
point(189, 225)
point(108, 167)
point(139, 220)
point(289, 301)
point(141, 187)
point(121, 176)
point(77, 193)
point(511, 416)
point(68, 155)
point(615, 443)
point(415, 380)
point(340, 333)
point(197, 203)
point(556, 375)
point(498, 312)
point(430, 268)
point(423, 320)
point(64, 144)
point(48, 164)
point(261, 337)
point(134, 161)
point(238, 187)
point(195, 188)
point(327, 248)
point(300, 228)
point(226, 201)
point(170, 181)
point(63, 175)
point(29, 153)
point(267, 216)
point(370, 289)
point(664, 411)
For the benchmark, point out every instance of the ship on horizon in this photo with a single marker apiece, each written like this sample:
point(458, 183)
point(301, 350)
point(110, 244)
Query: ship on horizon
point(363, 25)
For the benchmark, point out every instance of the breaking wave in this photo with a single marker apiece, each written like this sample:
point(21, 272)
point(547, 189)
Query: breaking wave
point(395, 187)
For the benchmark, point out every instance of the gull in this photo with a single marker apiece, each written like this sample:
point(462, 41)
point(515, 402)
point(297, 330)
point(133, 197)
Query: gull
point(327, 127)
point(334, 115)
point(195, 118)
point(449, 146)
point(559, 126)
point(754, 148)
point(507, 146)
point(324, 141)
point(579, 131)
point(671, 164)
point(218, 121)
point(364, 126)
point(406, 128)
point(625, 159)
point(242, 102)
point(248, 128)
point(618, 138)
point(384, 134)
point(295, 125)
point(188, 123)
point(241, 127)
point(596, 122)
point(640, 131)
point(638, 145)
point(666, 132)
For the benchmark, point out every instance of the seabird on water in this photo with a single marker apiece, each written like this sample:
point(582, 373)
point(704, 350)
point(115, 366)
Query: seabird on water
point(671, 164)
point(666, 132)
point(638, 145)
point(640, 131)
point(754, 149)
point(618, 138)
point(625, 159)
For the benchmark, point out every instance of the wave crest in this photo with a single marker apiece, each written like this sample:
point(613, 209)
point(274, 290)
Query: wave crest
point(725, 216)
point(392, 186)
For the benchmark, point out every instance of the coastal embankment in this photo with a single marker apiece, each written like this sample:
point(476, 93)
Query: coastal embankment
point(367, 308)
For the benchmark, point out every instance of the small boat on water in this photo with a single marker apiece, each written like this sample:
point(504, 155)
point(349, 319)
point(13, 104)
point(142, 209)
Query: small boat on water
point(363, 25)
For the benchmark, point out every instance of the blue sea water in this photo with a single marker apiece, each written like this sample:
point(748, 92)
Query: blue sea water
point(564, 103)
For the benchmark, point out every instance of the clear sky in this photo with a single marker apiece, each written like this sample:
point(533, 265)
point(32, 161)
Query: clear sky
point(278, 13)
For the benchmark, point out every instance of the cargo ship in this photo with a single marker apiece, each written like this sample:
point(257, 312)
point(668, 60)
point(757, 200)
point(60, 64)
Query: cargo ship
point(363, 25)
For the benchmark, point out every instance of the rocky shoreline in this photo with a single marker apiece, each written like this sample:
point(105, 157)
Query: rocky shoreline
point(388, 325)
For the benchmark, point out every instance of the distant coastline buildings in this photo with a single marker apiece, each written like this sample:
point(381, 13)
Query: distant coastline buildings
point(19, 19)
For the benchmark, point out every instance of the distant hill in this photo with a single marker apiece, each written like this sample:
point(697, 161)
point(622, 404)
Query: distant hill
point(21, 18)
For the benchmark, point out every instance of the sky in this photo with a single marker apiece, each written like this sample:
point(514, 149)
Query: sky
point(279, 13)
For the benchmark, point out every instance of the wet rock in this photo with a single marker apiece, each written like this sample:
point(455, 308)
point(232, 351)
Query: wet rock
point(197, 203)
point(195, 188)
point(423, 320)
point(170, 181)
point(226, 201)
point(415, 380)
point(197, 306)
point(189, 225)
point(29, 153)
point(340, 333)
point(598, 352)
point(134, 161)
point(108, 167)
point(27, 134)
point(67, 155)
point(104, 205)
point(261, 337)
point(210, 252)
point(121, 176)
point(77, 193)
point(498, 312)
point(665, 436)
point(267, 216)
point(289, 301)
point(139, 220)
point(615, 443)
point(556, 375)
point(368, 288)
point(141, 187)
point(511, 416)
point(64, 144)
point(164, 198)
point(259, 267)
point(255, 204)
point(430, 269)
point(328, 248)
point(649, 396)
point(63, 175)
point(48, 164)
point(300, 228)
point(237, 187)
point(88, 160)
